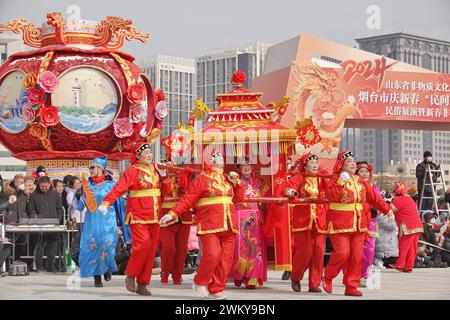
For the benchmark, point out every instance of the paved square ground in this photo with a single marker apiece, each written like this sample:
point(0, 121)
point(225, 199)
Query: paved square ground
point(423, 284)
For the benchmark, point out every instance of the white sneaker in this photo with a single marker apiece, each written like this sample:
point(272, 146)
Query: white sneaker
point(380, 264)
point(218, 296)
point(156, 271)
point(201, 291)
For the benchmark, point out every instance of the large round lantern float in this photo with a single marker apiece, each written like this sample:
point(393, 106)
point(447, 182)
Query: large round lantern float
point(76, 96)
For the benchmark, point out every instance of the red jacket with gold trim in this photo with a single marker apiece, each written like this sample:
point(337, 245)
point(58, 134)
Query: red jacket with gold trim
point(350, 202)
point(144, 202)
point(305, 216)
point(171, 188)
point(406, 215)
point(213, 195)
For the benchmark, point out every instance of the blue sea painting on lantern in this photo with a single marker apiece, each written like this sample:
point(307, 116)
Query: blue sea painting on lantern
point(13, 99)
point(86, 99)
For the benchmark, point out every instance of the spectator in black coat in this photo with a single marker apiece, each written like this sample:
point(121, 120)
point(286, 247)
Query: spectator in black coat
point(421, 172)
point(46, 203)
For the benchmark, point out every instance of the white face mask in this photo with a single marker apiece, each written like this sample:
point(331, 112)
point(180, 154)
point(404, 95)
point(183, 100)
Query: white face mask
point(428, 159)
point(21, 187)
point(41, 174)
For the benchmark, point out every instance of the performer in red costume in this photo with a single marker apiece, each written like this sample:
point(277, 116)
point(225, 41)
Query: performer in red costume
point(278, 227)
point(409, 228)
point(308, 224)
point(350, 198)
point(174, 235)
point(213, 193)
point(143, 212)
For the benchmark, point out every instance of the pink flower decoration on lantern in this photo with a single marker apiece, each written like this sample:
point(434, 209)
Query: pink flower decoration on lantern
point(161, 110)
point(48, 81)
point(28, 114)
point(123, 128)
point(138, 112)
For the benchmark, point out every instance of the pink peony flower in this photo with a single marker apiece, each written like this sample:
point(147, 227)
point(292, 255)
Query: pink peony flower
point(161, 110)
point(123, 128)
point(28, 114)
point(48, 81)
point(138, 112)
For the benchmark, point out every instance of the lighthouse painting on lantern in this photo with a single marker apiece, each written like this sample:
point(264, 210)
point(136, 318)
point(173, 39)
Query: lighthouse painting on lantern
point(87, 100)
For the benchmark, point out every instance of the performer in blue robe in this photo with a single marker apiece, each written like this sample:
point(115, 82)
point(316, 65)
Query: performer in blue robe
point(99, 235)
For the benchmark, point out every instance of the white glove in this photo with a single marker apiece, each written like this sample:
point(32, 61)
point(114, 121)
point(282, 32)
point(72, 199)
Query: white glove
point(232, 175)
point(292, 193)
point(344, 176)
point(102, 209)
point(12, 199)
point(165, 219)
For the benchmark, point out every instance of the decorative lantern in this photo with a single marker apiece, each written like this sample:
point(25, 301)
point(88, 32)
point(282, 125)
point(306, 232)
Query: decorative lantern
point(76, 96)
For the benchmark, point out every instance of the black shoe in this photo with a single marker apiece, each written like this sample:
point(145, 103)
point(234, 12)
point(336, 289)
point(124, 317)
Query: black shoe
point(286, 275)
point(98, 281)
point(107, 276)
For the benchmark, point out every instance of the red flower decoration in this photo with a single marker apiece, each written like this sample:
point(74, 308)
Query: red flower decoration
point(136, 92)
point(36, 96)
point(238, 76)
point(49, 116)
point(160, 95)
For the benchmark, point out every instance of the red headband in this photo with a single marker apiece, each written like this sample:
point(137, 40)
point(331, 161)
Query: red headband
point(305, 158)
point(364, 164)
point(342, 156)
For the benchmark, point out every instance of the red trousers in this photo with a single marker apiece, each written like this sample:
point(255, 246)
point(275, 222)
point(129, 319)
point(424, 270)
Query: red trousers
point(173, 249)
point(216, 260)
point(309, 248)
point(347, 252)
point(407, 250)
point(144, 242)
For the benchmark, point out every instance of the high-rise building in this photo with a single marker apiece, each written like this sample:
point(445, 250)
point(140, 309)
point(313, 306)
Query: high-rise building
point(176, 77)
point(10, 43)
point(214, 69)
point(383, 147)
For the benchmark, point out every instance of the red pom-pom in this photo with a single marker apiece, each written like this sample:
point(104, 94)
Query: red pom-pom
point(238, 76)
point(160, 95)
